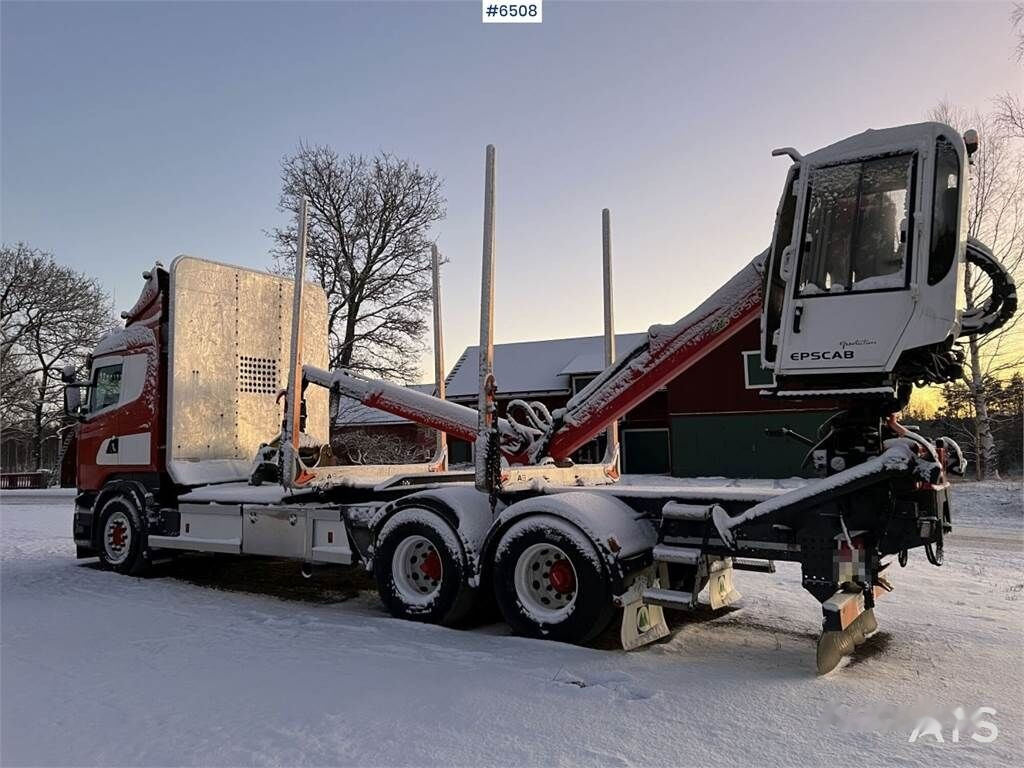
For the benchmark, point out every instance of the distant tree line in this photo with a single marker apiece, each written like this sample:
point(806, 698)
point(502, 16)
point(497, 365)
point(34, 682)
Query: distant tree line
point(51, 316)
point(956, 418)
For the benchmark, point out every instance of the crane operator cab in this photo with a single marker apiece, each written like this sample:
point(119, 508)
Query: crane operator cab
point(862, 278)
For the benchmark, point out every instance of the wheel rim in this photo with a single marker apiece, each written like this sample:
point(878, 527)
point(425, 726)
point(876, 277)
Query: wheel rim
point(117, 537)
point(545, 581)
point(417, 570)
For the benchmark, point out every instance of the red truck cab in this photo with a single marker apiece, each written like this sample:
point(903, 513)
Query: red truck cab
point(183, 395)
point(121, 432)
point(120, 440)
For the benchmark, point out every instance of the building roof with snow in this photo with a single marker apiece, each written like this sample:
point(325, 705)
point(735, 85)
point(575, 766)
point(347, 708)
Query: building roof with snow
point(543, 367)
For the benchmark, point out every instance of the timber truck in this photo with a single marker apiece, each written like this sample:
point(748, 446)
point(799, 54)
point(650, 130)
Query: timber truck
point(182, 445)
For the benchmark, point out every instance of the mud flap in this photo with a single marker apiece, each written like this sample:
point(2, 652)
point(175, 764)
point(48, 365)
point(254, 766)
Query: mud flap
point(721, 591)
point(641, 623)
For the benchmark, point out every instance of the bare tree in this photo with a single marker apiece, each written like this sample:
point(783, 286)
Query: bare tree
point(362, 446)
point(1009, 107)
point(15, 392)
point(22, 271)
point(995, 217)
point(1017, 21)
point(368, 247)
point(1010, 114)
point(23, 299)
point(52, 317)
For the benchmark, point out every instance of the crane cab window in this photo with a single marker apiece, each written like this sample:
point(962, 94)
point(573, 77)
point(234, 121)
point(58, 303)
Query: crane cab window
point(858, 227)
point(106, 387)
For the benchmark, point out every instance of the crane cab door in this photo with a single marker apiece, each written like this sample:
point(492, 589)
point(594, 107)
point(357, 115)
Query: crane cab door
point(848, 271)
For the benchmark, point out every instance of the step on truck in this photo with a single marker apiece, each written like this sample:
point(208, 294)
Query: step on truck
point(182, 445)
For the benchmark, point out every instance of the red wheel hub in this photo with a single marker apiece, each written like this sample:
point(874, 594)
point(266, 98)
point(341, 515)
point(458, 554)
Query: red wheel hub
point(117, 537)
point(431, 566)
point(562, 577)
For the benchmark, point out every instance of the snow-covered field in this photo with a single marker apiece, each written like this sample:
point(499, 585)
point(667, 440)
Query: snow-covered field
point(270, 669)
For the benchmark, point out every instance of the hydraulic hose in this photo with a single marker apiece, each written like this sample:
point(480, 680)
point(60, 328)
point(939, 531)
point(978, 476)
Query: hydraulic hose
point(1001, 305)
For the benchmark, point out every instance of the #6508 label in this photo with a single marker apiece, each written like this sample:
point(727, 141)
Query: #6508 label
point(512, 13)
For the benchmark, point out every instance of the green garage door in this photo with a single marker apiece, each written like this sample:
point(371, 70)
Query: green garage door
point(735, 445)
point(459, 451)
point(645, 452)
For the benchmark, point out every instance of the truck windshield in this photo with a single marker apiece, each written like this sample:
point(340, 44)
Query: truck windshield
point(857, 231)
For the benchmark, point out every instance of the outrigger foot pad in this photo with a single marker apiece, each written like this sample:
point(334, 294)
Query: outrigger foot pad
point(834, 645)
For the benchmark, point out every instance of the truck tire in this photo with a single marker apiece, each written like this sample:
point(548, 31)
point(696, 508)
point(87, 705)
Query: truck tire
point(549, 581)
point(121, 536)
point(420, 570)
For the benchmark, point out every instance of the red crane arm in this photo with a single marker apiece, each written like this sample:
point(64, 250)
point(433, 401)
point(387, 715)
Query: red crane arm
point(670, 350)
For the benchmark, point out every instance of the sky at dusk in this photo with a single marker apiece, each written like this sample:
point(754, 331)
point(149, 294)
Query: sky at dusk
point(136, 131)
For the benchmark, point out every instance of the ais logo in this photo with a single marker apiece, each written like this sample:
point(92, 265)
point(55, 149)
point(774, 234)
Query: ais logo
point(828, 354)
point(981, 730)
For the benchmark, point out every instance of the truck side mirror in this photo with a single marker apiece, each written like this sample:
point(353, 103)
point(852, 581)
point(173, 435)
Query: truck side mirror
point(75, 400)
point(786, 265)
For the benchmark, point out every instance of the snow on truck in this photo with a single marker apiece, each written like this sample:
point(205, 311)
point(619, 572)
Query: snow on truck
point(182, 445)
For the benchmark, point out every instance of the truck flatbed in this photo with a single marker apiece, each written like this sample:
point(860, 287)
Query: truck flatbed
point(241, 493)
point(683, 490)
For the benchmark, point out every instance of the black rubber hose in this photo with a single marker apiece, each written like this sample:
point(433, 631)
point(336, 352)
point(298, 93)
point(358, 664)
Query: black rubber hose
point(1001, 304)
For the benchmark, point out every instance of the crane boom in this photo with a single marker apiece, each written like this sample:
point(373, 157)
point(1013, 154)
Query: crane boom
point(456, 420)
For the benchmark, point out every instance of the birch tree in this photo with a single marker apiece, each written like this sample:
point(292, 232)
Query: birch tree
point(996, 218)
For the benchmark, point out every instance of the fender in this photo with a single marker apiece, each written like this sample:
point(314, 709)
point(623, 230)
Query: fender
point(465, 509)
point(618, 532)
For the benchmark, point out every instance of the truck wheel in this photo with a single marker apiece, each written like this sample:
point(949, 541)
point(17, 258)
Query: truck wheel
point(122, 545)
point(549, 582)
point(419, 568)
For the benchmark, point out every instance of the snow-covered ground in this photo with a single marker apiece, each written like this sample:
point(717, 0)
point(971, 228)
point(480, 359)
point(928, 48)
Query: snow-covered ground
point(270, 669)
